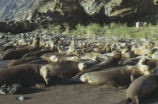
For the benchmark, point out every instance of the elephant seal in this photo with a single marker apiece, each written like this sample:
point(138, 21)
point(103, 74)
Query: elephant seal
point(38, 61)
point(22, 61)
point(107, 63)
point(48, 55)
point(55, 57)
point(64, 69)
point(141, 88)
point(25, 74)
point(117, 76)
point(36, 53)
point(131, 61)
point(17, 53)
point(142, 51)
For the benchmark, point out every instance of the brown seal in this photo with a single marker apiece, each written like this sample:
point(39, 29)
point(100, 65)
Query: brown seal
point(26, 75)
point(130, 61)
point(142, 51)
point(22, 61)
point(111, 61)
point(63, 69)
point(117, 76)
point(17, 53)
point(141, 88)
point(55, 57)
point(36, 53)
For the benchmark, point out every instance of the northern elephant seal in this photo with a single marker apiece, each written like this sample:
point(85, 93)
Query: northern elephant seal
point(26, 75)
point(64, 69)
point(36, 53)
point(22, 61)
point(141, 88)
point(17, 53)
point(116, 76)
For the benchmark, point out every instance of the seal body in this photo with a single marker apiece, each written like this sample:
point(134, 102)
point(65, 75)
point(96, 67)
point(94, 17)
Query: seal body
point(22, 61)
point(143, 86)
point(112, 76)
point(131, 61)
point(63, 69)
point(37, 53)
point(54, 57)
point(17, 53)
point(26, 75)
point(106, 64)
point(116, 76)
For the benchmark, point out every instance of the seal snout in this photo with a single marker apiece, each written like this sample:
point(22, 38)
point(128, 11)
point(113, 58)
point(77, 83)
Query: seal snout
point(44, 72)
point(81, 66)
point(54, 58)
point(143, 68)
point(83, 78)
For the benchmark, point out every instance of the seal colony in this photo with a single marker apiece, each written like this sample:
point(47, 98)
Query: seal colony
point(102, 61)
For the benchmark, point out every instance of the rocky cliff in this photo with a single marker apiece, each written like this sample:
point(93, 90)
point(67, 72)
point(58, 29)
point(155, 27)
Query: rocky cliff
point(17, 9)
point(79, 11)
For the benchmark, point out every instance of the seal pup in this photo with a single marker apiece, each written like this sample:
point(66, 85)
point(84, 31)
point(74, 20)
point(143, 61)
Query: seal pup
point(25, 74)
point(117, 76)
point(63, 69)
point(141, 88)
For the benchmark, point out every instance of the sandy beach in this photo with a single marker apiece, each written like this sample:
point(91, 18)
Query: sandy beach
point(72, 94)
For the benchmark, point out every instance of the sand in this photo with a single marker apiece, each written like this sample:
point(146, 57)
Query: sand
point(68, 94)
point(72, 94)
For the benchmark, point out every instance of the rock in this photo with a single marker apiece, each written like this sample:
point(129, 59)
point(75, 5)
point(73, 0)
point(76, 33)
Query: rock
point(2, 92)
point(1, 36)
point(10, 89)
point(17, 10)
point(21, 98)
point(45, 12)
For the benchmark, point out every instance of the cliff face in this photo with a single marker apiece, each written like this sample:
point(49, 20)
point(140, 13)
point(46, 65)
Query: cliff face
point(79, 10)
point(17, 9)
point(124, 10)
point(45, 12)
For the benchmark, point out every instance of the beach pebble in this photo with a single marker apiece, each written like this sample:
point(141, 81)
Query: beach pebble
point(2, 92)
point(21, 98)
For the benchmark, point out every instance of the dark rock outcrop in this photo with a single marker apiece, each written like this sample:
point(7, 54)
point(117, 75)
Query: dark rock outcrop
point(45, 12)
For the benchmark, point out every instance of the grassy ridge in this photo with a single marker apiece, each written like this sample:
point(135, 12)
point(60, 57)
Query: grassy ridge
point(122, 30)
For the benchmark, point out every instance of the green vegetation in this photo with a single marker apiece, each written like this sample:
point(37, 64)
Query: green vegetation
point(122, 30)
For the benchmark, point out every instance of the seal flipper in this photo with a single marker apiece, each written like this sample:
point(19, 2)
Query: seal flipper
point(130, 101)
point(126, 101)
point(75, 79)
